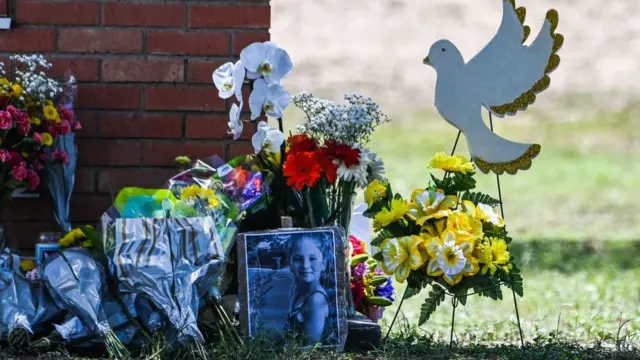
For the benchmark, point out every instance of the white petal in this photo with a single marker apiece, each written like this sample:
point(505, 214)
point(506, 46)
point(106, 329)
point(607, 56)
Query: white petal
point(253, 75)
point(275, 139)
point(239, 73)
point(278, 95)
point(257, 140)
point(253, 55)
point(282, 65)
point(224, 72)
point(263, 126)
point(225, 94)
point(235, 125)
point(257, 98)
point(276, 112)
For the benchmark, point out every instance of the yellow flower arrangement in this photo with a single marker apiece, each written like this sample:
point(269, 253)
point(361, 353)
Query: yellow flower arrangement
point(374, 192)
point(454, 164)
point(401, 255)
point(450, 257)
point(399, 209)
point(464, 226)
point(195, 191)
point(483, 213)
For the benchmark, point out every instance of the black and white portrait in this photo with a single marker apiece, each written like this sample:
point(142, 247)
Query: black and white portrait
point(293, 285)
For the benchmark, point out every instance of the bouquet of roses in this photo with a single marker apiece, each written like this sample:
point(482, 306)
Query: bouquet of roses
point(29, 124)
point(371, 290)
point(445, 236)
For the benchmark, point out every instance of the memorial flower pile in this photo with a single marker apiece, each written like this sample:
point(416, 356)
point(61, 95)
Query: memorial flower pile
point(444, 235)
point(371, 290)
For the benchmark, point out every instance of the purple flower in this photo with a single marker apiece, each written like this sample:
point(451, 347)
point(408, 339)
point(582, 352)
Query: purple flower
point(375, 313)
point(385, 290)
point(361, 270)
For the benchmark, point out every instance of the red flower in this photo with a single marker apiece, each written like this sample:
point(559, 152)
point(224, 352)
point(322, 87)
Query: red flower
point(357, 246)
point(65, 114)
point(329, 168)
point(357, 291)
point(76, 126)
point(4, 156)
point(33, 179)
point(5, 120)
point(61, 156)
point(24, 125)
point(300, 143)
point(19, 172)
point(350, 156)
point(62, 128)
point(302, 169)
point(37, 138)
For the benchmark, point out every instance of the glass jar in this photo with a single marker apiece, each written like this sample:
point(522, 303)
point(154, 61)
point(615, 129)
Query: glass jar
point(49, 237)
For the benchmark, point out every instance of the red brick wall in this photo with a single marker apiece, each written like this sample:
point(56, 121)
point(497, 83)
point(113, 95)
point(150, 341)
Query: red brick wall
point(145, 93)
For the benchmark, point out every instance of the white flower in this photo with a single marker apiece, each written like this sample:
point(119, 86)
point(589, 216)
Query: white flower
point(224, 81)
point(491, 214)
point(267, 139)
point(235, 124)
point(451, 258)
point(376, 168)
point(239, 73)
point(357, 173)
point(267, 60)
point(273, 99)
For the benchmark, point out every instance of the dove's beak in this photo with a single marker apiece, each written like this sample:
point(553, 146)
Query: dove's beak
point(426, 61)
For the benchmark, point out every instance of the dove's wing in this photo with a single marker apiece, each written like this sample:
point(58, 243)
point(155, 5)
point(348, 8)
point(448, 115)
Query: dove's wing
point(506, 74)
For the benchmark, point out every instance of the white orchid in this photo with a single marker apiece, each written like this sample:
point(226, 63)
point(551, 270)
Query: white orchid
point(267, 139)
point(273, 99)
point(228, 79)
point(235, 124)
point(267, 60)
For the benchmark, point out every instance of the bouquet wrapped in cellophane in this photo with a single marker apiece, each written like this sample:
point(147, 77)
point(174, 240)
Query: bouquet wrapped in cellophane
point(445, 236)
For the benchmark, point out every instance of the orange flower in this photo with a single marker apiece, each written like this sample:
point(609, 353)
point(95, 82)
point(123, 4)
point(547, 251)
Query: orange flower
point(302, 169)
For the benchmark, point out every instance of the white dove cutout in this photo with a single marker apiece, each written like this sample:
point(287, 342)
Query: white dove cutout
point(504, 77)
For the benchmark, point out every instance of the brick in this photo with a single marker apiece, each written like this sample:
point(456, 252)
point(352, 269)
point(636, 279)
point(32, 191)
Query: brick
point(187, 42)
point(108, 152)
point(85, 180)
point(222, 16)
point(100, 40)
point(28, 40)
point(240, 148)
point(4, 7)
point(214, 127)
point(89, 122)
point(89, 207)
point(113, 180)
point(246, 38)
point(200, 71)
point(58, 13)
point(164, 153)
point(140, 125)
point(83, 69)
point(36, 209)
point(130, 14)
point(142, 70)
point(183, 98)
point(108, 97)
point(24, 235)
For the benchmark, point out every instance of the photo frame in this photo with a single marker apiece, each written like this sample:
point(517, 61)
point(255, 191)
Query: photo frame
point(292, 285)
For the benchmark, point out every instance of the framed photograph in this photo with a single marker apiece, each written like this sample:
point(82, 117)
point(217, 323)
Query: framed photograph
point(293, 285)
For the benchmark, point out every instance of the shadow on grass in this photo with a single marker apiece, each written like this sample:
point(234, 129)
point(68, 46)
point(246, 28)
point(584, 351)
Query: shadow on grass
point(573, 256)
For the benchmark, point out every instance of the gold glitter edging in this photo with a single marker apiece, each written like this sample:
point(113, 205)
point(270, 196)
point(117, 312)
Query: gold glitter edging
point(523, 162)
point(529, 97)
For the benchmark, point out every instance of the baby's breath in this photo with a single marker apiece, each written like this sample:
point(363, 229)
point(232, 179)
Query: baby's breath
point(35, 83)
point(347, 124)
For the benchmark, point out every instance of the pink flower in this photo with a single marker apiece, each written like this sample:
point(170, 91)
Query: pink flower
point(37, 164)
point(23, 124)
point(60, 129)
point(37, 138)
point(33, 179)
point(375, 313)
point(357, 246)
point(4, 156)
point(61, 156)
point(15, 112)
point(76, 126)
point(5, 120)
point(15, 159)
point(65, 114)
point(357, 290)
point(20, 172)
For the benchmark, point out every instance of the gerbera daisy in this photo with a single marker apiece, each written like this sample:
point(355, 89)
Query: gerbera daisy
point(302, 169)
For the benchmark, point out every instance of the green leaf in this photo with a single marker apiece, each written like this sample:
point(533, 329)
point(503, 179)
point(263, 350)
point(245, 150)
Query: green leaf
point(430, 304)
point(513, 280)
point(359, 259)
point(378, 280)
point(382, 236)
point(463, 182)
point(412, 291)
point(378, 256)
point(480, 198)
point(379, 301)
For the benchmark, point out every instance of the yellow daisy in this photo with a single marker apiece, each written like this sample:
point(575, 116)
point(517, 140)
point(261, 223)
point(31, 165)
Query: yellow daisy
point(464, 226)
point(493, 255)
point(17, 90)
point(34, 120)
point(50, 113)
point(375, 192)
point(190, 192)
point(455, 163)
point(401, 255)
point(386, 216)
point(4, 82)
point(47, 139)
